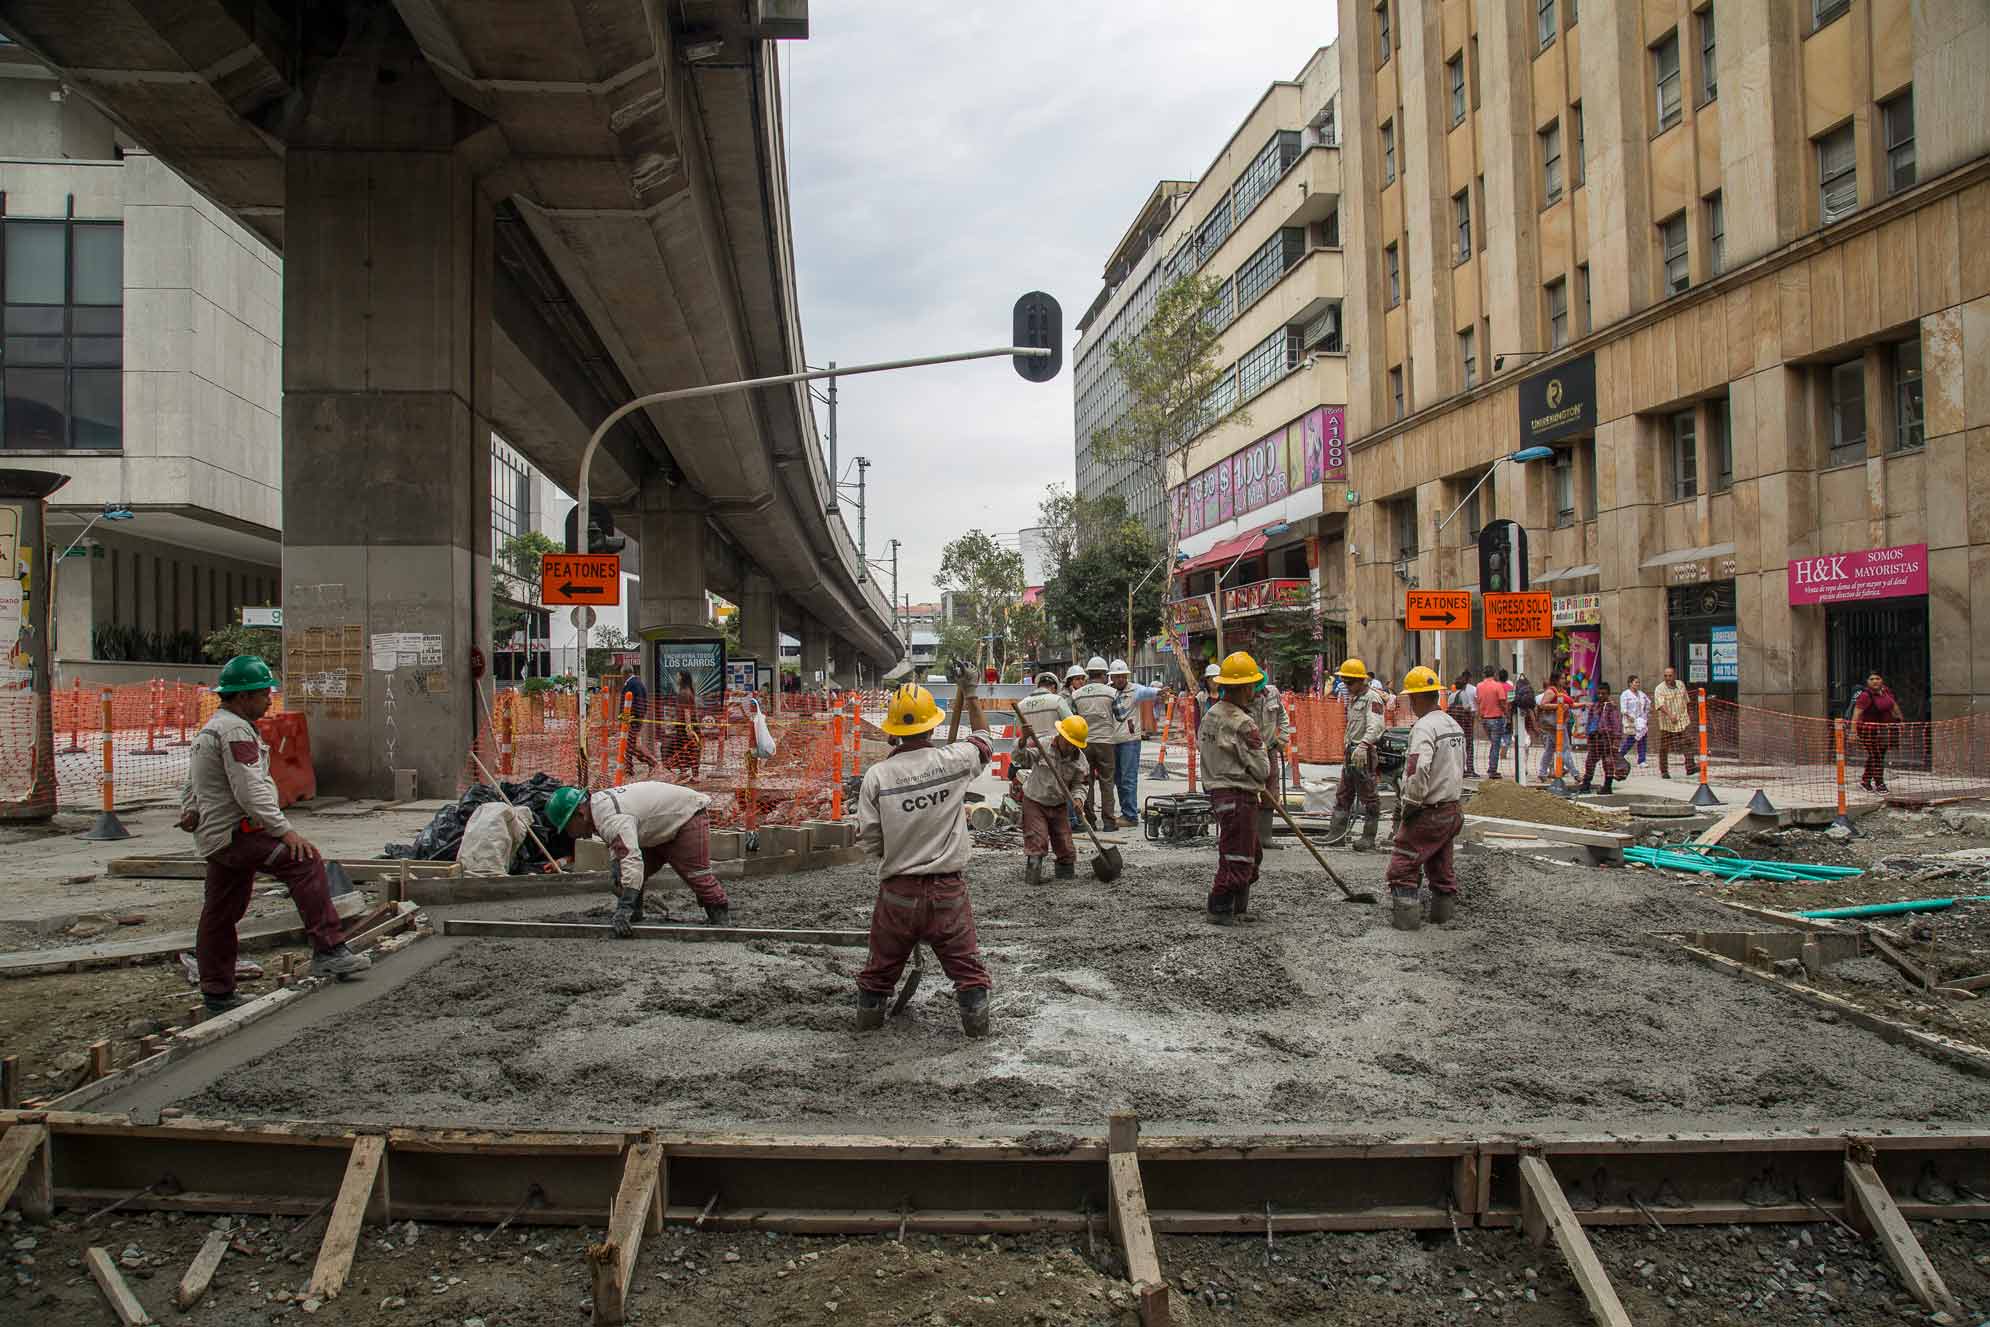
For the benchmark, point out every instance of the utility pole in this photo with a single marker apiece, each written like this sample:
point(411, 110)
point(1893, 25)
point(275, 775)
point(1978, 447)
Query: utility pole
point(832, 441)
point(863, 516)
point(897, 623)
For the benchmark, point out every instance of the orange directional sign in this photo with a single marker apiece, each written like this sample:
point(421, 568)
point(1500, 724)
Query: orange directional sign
point(1525, 615)
point(1438, 610)
point(580, 578)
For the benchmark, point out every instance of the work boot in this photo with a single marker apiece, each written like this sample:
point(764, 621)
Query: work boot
point(221, 1004)
point(1369, 821)
point(623, 924)
point(1240, 905)
point(1066, 870)
point(1442, 906)
point(339, 962)
point(1129, 822)
point(1336, 829)
point(1220, 909)
point(1033, 870)
point(974, 1011)
point(636, 913)
point(716, 914)
point(870, 1011)
point(1406, 911)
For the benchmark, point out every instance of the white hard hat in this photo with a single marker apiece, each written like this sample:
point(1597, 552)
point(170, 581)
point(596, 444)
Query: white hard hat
point(1073, 671)
point(1095, 664)
point(1119, 669)
point(1214, 670)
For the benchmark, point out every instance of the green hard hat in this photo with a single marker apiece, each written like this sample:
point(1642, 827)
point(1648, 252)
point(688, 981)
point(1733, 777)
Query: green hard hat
point(560, 807)
point(245, 672)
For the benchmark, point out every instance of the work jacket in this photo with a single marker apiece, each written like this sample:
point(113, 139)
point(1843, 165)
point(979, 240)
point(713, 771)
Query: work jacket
point(909, 810)
point(1095, 702)
point(1040, 784)
point(641, 815)
point(1231, 749)
point(228, 782)
point(1434, 769)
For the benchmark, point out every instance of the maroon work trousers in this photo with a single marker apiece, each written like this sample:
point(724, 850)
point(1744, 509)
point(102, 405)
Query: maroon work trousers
point(231, 879)
point(690, 855)
point(923, 909)
point(1238, 852)
point(1423, 848)
point(1047, 829)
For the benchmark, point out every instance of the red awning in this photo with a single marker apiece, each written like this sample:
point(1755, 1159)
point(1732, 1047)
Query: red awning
point(1225, 551)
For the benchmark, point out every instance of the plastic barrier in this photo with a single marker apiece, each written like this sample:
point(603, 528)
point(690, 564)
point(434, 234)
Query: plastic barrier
point(289, 739)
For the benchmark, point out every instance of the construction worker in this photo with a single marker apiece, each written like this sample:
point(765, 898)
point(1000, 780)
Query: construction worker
point(1234, 770)
point(1433, 782)
point(1127, 699)
point(909, 813)
point(1042, 708)
point(1094, 702)
point(229, 805)
point(646, 826)
point(1046, 801)
point(1365, 726)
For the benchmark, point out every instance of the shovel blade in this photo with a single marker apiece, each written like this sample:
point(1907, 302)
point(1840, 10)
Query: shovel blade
point(1107, 865)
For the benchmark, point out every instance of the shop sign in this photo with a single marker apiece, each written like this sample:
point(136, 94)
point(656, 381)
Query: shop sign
point(1579, 610)
point(1518, 615)
point(1726, 654)
point(1195, 613)
point(1869, 573)
point(1264, 596)
point(1702, 570)
point(1558, 403)
point(1295, 457)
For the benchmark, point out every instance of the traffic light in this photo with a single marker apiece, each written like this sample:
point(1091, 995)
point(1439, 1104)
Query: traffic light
point(1038, 324)
point(1502, 557)
point(601, 536)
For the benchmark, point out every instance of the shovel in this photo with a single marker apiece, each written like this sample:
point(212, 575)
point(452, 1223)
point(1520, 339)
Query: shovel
point(911, 987)
point(1353, 896)
point(1108, 864)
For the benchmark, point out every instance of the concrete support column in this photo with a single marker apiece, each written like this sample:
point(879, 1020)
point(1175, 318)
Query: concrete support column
point(671, 525)
point(760, 629)
point(815, 650)
point(386, 437)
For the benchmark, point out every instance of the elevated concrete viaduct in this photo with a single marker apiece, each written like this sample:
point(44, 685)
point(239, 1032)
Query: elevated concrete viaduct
point(509, 214)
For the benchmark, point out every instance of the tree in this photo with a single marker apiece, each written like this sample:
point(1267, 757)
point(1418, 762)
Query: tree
point(515, 581)
point(1289, 638)
point(603, 644)
point(986, 580)
point(225, 643)
point(1086, 596)
point(1028, 631)
point(958, 640)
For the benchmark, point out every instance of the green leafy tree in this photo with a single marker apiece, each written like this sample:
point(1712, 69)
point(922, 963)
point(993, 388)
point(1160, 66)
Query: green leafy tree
point(1086, 594)
point(226, 643)
point(986, 580)
point(603, 644)
point(958, 640)
point(515, 580)
point(1289, 638)
point(1028, 631)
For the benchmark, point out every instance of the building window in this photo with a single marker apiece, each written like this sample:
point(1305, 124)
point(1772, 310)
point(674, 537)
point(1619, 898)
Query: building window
point(1267, 361)
point(1665, 71)
point(1848, 412)
point(1272, 161)
point(1382, 32)
point(1716, 234)
point(1709, 59)
point(1581, 168)
point(1454, 73)
point(1274, 258)
point(1837, 176)
point(1461, 221)
point(1672, 241)
point(1564, 474)
point(1558, 314)
point(1544, 25)
point(62, 283)
point(1396, 392)
point(1823, 11)
point(1392, 264)
point(1684, 463)
point(1899, 114)
point(1721, 419)
point(1909, 429)
point(1468, 355)
point(1388, 152)
point(511, 501)
point(1551, 161)
point(1582, 290)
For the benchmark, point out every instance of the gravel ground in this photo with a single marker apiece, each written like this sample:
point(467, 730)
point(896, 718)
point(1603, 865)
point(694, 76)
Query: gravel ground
point(1545, 1005)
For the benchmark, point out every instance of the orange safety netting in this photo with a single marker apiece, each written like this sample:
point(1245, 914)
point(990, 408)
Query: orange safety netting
point(1796, 759)
point(148, 728)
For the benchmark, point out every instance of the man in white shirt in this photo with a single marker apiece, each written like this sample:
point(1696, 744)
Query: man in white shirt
point(1126, 755)
point(646, 826)
point(910, 816)
point(1432, 784)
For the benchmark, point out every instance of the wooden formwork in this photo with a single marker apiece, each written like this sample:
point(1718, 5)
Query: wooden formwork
point(631, 1182)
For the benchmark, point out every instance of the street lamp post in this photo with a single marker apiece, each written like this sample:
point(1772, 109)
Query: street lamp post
point(1522, 457)
point(1134, 588)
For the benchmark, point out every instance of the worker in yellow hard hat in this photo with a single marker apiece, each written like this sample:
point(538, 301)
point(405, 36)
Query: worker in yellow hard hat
point(1047, 791)
point(1433, 782)
point(1234, 770)
point(1364, 728)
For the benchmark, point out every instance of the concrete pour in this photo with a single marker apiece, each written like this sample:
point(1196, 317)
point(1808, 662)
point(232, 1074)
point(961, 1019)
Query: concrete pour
point(1544, 1006)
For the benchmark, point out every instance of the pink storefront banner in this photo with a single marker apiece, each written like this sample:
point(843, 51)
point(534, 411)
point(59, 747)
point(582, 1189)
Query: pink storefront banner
point(1869, 573)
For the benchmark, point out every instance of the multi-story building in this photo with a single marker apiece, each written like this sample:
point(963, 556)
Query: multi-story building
point(1251, 506)
point(1731, 262)
point(141, 359)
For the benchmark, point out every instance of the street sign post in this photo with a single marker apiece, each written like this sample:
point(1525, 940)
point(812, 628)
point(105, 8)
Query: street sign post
point(1438, 610)
point(1519, 615)
point(594, 579)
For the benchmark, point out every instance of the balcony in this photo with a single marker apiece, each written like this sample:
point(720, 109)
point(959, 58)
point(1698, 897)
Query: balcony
point(1192, 613)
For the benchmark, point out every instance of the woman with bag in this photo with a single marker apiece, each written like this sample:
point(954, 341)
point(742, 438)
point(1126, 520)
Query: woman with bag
point(1876, 719)
point(1605, 726)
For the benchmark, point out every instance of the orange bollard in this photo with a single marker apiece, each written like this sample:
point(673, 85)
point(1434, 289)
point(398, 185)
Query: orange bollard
point(1838, 741)
point(110, 754)
point(752, 812)
point(622, 744)
point(1188, 740)
point(1561, 739)
point(152, 719)
point(856, 740)
point(183, 701)
point(1703, 795)
point(836, 748)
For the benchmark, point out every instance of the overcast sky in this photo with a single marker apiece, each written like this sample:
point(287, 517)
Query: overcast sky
point(943, 159)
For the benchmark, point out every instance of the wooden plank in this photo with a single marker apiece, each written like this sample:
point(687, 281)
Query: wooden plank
point(638, 1208)
point(200, 1274)
point(1722, 827)
point(591, 931)
point(24, 1162)
point(1789, 919)
point(1969, 984)
point(365, 1170)
point(1128, 1218)
point(443, 891)
point(116, 1293)
point(1873, 1206)
point(1544, 1211)
point(1907, 966)
point(29, 962)
point(363, 870)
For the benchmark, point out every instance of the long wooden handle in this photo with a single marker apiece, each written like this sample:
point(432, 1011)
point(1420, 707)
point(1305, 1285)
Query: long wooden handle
point(1029, 735)
point(1301, 835)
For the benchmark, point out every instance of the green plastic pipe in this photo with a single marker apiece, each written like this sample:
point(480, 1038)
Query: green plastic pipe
point(1729, 867)
point(1885, 909)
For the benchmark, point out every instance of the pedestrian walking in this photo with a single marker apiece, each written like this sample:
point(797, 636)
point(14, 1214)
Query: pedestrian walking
point(1234, 770)
point(1493, 714)
point(647, 826)
point(1046, 803)
point(1635, 705)
point(1547, 722)
point(1364, 729)
point(229, 804)
point(1604, 727)
point(1432, 784)
point(1668, 703)
point(909, 816)
point(1464, 711)
point(1126, 755)
point(1876, 719)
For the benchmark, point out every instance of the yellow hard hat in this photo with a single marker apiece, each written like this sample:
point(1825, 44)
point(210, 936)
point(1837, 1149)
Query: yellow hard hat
point(1239, 670)
point(1417, 679)
point(912, 712)
point(1352, 668)
point(1075, 730)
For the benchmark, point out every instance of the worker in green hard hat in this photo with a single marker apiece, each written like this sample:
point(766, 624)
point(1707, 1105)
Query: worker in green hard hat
point(230, 806)
point(647, 826)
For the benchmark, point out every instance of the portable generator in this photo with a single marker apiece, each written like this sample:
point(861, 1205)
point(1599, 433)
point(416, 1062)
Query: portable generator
point(1176, 818)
